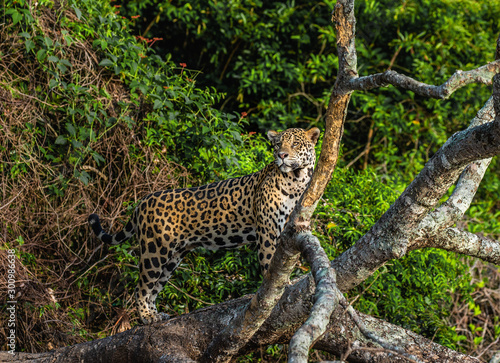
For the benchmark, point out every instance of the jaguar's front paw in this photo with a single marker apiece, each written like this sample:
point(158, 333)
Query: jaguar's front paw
point(162, 317)
point(155, 317)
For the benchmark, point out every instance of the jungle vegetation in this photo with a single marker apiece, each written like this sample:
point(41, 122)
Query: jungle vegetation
point(104, 102)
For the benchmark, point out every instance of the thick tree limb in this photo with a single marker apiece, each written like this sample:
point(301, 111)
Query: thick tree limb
point(326, 299)
point(186, 337)
point(459, 79)
point(470, 244)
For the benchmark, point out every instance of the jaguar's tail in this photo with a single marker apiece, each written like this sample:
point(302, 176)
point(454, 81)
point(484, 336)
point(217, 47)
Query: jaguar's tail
point(114, 239)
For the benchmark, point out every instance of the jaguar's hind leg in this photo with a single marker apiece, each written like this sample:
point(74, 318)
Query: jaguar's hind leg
point(144, 293)
point(155, 272)
point(150, 271)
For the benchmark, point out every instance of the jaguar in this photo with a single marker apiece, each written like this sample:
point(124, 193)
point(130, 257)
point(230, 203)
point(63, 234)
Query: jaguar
point(225, 214)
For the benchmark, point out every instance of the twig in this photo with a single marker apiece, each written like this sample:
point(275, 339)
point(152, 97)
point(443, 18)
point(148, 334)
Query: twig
point(10, 201)
point(192, 297)
point(459, 79)
point(371, 335)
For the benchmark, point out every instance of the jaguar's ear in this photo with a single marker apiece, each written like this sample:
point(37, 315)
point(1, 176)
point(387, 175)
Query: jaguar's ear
point(313, 135)
point(273, 136)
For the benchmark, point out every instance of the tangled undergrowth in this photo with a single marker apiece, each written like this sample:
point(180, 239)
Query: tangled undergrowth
point(53, 176)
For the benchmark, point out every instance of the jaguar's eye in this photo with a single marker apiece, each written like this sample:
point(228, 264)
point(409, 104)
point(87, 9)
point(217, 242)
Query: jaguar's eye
point(295, 144)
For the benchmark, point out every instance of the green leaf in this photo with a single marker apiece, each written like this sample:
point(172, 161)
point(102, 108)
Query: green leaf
point(61, 140)
point(157, 104)
point(143, 88)
point(66, 62)
point(48, 42)
point(71, 129)
point(76, 144)
point(98, 158)
point(62, 68)
point(83, 176)
point(106, 62)
point(53, 58)
point(78, 12)
point(41, 54)
point(53, 83)
point(16, 16)
point(29, 45)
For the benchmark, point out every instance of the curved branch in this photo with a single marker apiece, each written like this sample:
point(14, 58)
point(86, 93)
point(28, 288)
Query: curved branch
point(326, 299)
point(459, 79)
point(389, 346)
point(467, 243)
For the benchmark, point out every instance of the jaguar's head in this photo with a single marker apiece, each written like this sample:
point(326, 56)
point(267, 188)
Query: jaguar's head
point(294, 148)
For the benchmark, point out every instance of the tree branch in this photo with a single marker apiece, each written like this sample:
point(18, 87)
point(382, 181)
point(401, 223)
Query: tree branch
point(186, 337)
point(326, 299)
point(345, 24)
point(467, 243)
point(459, 79)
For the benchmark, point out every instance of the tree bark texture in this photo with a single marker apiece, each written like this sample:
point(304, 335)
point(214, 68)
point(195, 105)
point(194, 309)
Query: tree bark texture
point(185, 338)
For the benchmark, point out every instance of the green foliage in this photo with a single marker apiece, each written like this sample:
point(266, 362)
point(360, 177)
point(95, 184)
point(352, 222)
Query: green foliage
point(454, 35)
point(416, 293)
point(211, 278)
point(353, 202)
point(178, 120)
point(273, 59)
point(276, 60)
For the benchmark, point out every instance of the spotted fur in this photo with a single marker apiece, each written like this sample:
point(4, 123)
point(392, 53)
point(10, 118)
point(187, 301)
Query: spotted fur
point(226, 214)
